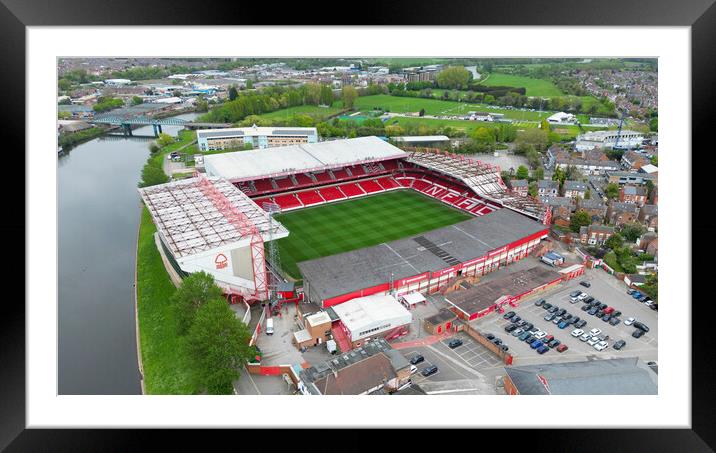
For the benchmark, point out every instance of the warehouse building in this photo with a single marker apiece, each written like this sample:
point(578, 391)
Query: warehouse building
point(424, 263)
point(257, 137)
point(373, 316)
point(608, 139)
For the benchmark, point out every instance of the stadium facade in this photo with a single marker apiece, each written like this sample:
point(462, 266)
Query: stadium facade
point(257, 137)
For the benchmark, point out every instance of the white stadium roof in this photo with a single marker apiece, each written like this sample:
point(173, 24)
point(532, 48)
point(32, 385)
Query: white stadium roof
point(285, 160)
point(196, 215)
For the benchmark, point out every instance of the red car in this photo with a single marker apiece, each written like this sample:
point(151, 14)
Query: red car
point(547, 339)
point(608, 310)
point(561, 348)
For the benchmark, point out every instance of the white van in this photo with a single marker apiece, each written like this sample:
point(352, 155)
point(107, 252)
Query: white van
point(269, 326)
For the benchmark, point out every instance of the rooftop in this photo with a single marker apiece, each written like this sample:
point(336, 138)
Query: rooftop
point(350, 271)
point(360, 312)
point(422, 138)
point(261, 163)
point(255, 131)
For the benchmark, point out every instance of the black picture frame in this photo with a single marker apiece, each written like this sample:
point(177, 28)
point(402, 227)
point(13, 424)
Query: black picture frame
point(15, 15)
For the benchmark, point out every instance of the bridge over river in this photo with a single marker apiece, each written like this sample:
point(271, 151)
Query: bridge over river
point(126, 121)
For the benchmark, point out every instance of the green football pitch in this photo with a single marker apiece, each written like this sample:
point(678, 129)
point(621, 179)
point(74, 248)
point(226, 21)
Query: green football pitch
point(354, 224)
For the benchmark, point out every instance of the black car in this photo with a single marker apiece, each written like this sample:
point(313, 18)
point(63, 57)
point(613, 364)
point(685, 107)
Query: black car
point(553, 309)
point(642, 298)
point(546, 306)
point(510, 327)
point(616, 314)
point(504, 348)
point(585, 307)
point(574, 319)
point(606, 318)
point(417, 359)
point(588, 300)
point(497, 341)
point(554, 343)
point(567, 316)
point(580, 324)
point(515, 319)
point(508, 315)
point(654, 307)
point(619, 344)
point(602, 306)
point(592, 311)
point(641, 326)
point(540, 302)
point(585, 283)
point(529, 326)
point(600, 313)
point(452, 344)
point(561, 311)
point(637, 333)
point(530, 338)
point(432, 369)
point(614, 321)
point(489, 336)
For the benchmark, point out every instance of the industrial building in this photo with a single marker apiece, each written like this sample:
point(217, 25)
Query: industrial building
point(257, 137)
point(423, 263)
point(608, 139)
point(373, 316)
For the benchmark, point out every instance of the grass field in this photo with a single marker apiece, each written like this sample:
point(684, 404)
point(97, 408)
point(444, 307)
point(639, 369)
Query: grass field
point(535, 87)
point(310, 110)
point(355, 224)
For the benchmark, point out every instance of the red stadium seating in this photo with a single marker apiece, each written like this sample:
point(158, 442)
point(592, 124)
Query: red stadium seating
point(310, 197)
point(352, 190)
point(263, 185)
point(387, 183)
point(405, 182)
point(260, 201)
point(390, 165)
point(357, 170)
point(323, 177)
point(340, 174)
point(287, 201)
point(370, 186)
point(420, 185)
point(284, 183)
point(304, 180)
point(331, 193)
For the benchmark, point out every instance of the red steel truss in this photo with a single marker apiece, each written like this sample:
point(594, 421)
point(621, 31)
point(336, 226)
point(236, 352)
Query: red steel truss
point(246, 228)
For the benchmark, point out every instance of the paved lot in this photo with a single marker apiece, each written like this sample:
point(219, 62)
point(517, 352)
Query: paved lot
point(603, 287)
point(278, 349)
point(253, 384)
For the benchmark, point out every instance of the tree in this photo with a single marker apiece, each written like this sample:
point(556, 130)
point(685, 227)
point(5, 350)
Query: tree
point(326, 95)
point(249, 84)
point(349, 95)
point(588, 194)
point(195, 291)
point(218, 345)
point(612, 191)
point(165, 139)
point(422, 112)
point(233, 93)
point(532, 189)
point(483, 139)
point(454, 77)
point(64, 115)
point(545, 126)
point(152, 175)
point(615, 242)
point(632, 231)
point(538, 173)
point(136, 100)
point(522, 172)
point(578, 220)
point(537, 138)
point(311, 93)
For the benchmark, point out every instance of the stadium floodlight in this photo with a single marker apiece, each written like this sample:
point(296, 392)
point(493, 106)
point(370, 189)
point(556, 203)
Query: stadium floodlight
point(274, 258)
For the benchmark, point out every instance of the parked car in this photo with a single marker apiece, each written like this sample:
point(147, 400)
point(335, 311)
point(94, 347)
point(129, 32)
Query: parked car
point(563, 347)
point(581, 323)
point(614, 321)
point(536, 344)
point(567, 316)
point(594, 332)
point(521, 323)
point(585, 283)
point(602, 305)
point(585, 337)
point(636, 294)
point(553, 343)
point(592, 311)
point(573, 300)
point(588, 300)
point(585, 307)
point(530, 338)
point(606, 318)
point(510, 327)
point(523, 336)
point(642, 298)
point(560, 312)
point(546, 306)
point(638, 333)
point(504, 348)
point(599, 314)
point(556, 320)
point(574, 319)
point(539, 334)
point(517, 332)
point(528, 326)
point(554, 309)
point(582, 296)
point(515, 319)
point(641, 326)
point(631, 291)
point(548, 338)
point(549, 316)
point(542, 349)
point(629, 321)
point(456, 342)
point(619, 344)
point(432, 369)
point(575, 293)
point(508, 315)
point(602, 345)
point(616, 313)
point(577, 332)
point(562, 324)
point(496, 341)
point(540, 302)
point(594, 340)
point(609, 310)
point(654, 307)
point(419, 358)
point(489, 336)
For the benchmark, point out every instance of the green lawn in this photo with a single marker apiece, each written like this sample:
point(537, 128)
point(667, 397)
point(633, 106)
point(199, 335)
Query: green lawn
point(355, 224)
point(535, 87)
point(315, 111)
point(166, 368)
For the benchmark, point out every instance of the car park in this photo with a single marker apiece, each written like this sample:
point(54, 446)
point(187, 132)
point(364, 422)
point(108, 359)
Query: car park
point(432, 369)
point(629, 321)
point(602, 345)
point(515, 319)
point(540, 302)
point(581, 323)
point(619, 344)
point(508, 315)
point(549, 316)
point(585, 283)
point(575, 293)
point(563, 347)
point(577, 332)
point(542, 349)
point(523, 336)
point(641, 326)
point(536, 344)
point(517, 332)
point(454, 343)
point(419, 358)
point(614, 321)
point(638, 333)
point(592, 341)
point(553, 343)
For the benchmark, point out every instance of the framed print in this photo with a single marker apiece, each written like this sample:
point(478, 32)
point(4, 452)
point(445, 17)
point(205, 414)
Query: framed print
point(462, 211)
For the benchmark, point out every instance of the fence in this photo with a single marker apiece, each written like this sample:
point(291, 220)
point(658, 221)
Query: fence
point(506, 358)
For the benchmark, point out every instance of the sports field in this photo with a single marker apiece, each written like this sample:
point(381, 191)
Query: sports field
point(535, 87)
point(355, 224)
point(317, 112)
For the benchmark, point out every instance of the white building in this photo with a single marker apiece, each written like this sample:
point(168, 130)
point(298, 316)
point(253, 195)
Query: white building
point(371, 316)
point(257, 137)
point(607, 139)
point(562, 118)
point(117, 82)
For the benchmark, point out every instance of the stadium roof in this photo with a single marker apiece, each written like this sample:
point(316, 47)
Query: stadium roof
point(624, 376)
point(196, 215)
point(343, 273)
point(285, 160)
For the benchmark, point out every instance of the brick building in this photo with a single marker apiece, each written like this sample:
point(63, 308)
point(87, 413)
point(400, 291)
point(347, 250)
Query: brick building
point(620, 213)
point(648, 215)
point(520, 186)
point(574, 189)
point(596, 209)
point(595, 234)
point(633, 194)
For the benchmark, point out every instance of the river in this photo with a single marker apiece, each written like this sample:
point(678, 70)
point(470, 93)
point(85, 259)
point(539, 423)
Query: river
point(98, 217)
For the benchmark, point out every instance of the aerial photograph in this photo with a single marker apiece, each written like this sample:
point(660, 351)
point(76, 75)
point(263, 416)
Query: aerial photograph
point(357, 226)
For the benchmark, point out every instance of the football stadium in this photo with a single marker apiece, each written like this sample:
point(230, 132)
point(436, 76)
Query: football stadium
point(342, 219)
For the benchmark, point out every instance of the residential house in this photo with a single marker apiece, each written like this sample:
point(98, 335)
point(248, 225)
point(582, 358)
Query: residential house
point(621, 213)
point(648, 215)
point(595, 234)
point(625, 177)
point(574, 189)
point(655, 196)
point(634, 160)
point(596, 208)
point(562, 208)
point(547, 188)
point(633, 194)
point(521, 186)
